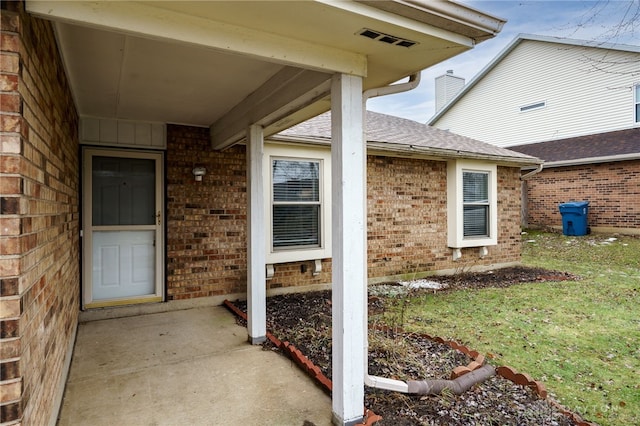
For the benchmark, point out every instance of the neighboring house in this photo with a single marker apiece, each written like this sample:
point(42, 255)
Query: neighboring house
point(574, 104)
point(105, 201)
point(602, 168)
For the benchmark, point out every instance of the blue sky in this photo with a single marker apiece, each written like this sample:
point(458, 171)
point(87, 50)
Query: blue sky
point(585, 20)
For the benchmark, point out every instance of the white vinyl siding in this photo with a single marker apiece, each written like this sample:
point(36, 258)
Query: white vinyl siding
point(581, 97)
point(297, 184)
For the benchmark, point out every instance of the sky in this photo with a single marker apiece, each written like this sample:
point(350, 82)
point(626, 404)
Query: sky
point(584, 20)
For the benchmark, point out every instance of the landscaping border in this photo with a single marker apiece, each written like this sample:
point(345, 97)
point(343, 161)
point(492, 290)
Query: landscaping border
point(478, 360)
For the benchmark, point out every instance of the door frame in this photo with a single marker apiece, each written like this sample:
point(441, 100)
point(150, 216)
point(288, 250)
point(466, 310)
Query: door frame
point(87, 229)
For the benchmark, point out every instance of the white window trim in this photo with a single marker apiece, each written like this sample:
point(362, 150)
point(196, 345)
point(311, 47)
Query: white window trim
point(298, 152)
point(455, 215)
point(636, 102)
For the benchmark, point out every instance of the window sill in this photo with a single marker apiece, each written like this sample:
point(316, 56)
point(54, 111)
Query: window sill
point(286, 256)
point(476, 242)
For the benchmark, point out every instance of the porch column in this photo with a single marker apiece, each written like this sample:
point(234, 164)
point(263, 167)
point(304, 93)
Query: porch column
point(348, 156)
point(256, 244)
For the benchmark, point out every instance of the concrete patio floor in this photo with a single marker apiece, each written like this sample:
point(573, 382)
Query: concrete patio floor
point(186, 367)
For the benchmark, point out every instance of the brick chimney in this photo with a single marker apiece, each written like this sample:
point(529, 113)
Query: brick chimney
point(447, 86)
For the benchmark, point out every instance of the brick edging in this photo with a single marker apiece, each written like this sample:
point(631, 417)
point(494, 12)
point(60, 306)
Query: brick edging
point(369, 418)
point(509, 373)
point(478, 360)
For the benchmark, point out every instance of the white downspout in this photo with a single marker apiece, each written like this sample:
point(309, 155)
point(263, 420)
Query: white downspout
point(533, 172)
point(375, 381)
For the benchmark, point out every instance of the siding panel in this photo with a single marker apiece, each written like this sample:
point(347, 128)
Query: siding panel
point(587, 90)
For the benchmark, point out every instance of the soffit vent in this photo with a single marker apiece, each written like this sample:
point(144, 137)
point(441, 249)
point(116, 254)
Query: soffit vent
point(386, 38)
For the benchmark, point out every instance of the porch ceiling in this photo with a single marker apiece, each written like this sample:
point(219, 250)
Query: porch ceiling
point(229, 64)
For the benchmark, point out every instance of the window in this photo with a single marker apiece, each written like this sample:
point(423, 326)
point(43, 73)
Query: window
point(298, 210)
point(471, 203)
point(296, 203)
point(535, 105)
point(475, 202)
point(637, 101)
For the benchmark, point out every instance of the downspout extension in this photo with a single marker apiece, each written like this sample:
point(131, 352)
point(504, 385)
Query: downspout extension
point(375, 381)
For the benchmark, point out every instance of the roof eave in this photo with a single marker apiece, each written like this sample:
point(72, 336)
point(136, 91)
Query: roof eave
point(592, 160)
point(403, 150)
point(448, 15)
point(449, 154)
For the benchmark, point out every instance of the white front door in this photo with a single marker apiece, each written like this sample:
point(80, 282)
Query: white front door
point(122, 227)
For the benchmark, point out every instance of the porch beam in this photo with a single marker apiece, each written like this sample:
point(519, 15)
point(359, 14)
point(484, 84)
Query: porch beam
point(256, 243)
point(283, 94)
point(151, 21)
point(348, 156)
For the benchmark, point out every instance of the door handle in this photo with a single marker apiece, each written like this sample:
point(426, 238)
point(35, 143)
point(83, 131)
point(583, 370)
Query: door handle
point(158, 218)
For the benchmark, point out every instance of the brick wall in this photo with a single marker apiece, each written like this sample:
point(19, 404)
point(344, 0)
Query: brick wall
point(612, 189)
point(407, 218)
point(39, 249)
point(206, 241)
point(207, 222)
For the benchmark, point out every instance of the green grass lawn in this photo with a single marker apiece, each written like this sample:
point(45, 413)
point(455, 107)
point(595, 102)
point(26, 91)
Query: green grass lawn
point(580, 338)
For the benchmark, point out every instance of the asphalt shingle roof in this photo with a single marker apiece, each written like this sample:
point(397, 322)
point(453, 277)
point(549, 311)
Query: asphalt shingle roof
point(389, 130)
point(601, 145)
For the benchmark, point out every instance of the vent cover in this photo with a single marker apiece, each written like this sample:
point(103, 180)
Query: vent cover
point(386, 38)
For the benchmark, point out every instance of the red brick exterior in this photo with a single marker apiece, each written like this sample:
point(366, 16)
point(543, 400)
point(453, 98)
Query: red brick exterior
point(407, 210)
point(39, 222)
point(407, 219)
point(207, 222)
point(612, 189)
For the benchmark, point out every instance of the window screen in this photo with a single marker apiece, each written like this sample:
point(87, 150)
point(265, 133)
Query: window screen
point(296, 203)
point(475, 202)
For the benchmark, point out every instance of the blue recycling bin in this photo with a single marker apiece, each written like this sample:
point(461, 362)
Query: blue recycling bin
point(574, 218)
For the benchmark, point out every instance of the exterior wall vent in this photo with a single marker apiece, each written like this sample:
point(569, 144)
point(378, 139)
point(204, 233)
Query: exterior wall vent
point(536, 105)
point(386, 38)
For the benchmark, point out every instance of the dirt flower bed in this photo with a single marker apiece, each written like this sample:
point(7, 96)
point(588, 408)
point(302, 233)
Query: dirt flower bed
point(304, 319)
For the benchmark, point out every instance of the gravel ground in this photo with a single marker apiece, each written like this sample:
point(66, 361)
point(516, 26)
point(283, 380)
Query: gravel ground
point(304, 319)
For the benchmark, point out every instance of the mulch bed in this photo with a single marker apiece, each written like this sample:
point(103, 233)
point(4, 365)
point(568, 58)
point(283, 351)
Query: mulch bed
point(304, 319)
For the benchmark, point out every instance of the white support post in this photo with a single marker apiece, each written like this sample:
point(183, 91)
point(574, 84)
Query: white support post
point(256, 243)
point(348, 161)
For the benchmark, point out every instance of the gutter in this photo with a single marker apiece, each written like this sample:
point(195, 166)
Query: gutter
point(594, 160)
point(413, 151)
point(443, 153)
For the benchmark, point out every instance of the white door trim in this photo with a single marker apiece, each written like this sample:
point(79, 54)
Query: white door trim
point(87, 227)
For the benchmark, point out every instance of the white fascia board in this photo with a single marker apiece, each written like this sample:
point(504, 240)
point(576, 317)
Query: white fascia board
point(592, 160)
point(149, 21)
point(399, 21)
point(421, 152)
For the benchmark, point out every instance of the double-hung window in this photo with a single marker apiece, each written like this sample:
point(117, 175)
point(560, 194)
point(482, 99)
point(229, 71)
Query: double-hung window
point(475, 204)
point(471, 204)
point(298, 190)
point(296, 203)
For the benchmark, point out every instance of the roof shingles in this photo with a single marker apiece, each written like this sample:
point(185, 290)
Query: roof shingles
point(601, 145)
point(387, 129)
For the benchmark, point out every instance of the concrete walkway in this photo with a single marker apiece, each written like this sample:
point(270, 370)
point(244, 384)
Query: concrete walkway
point(187, 367)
